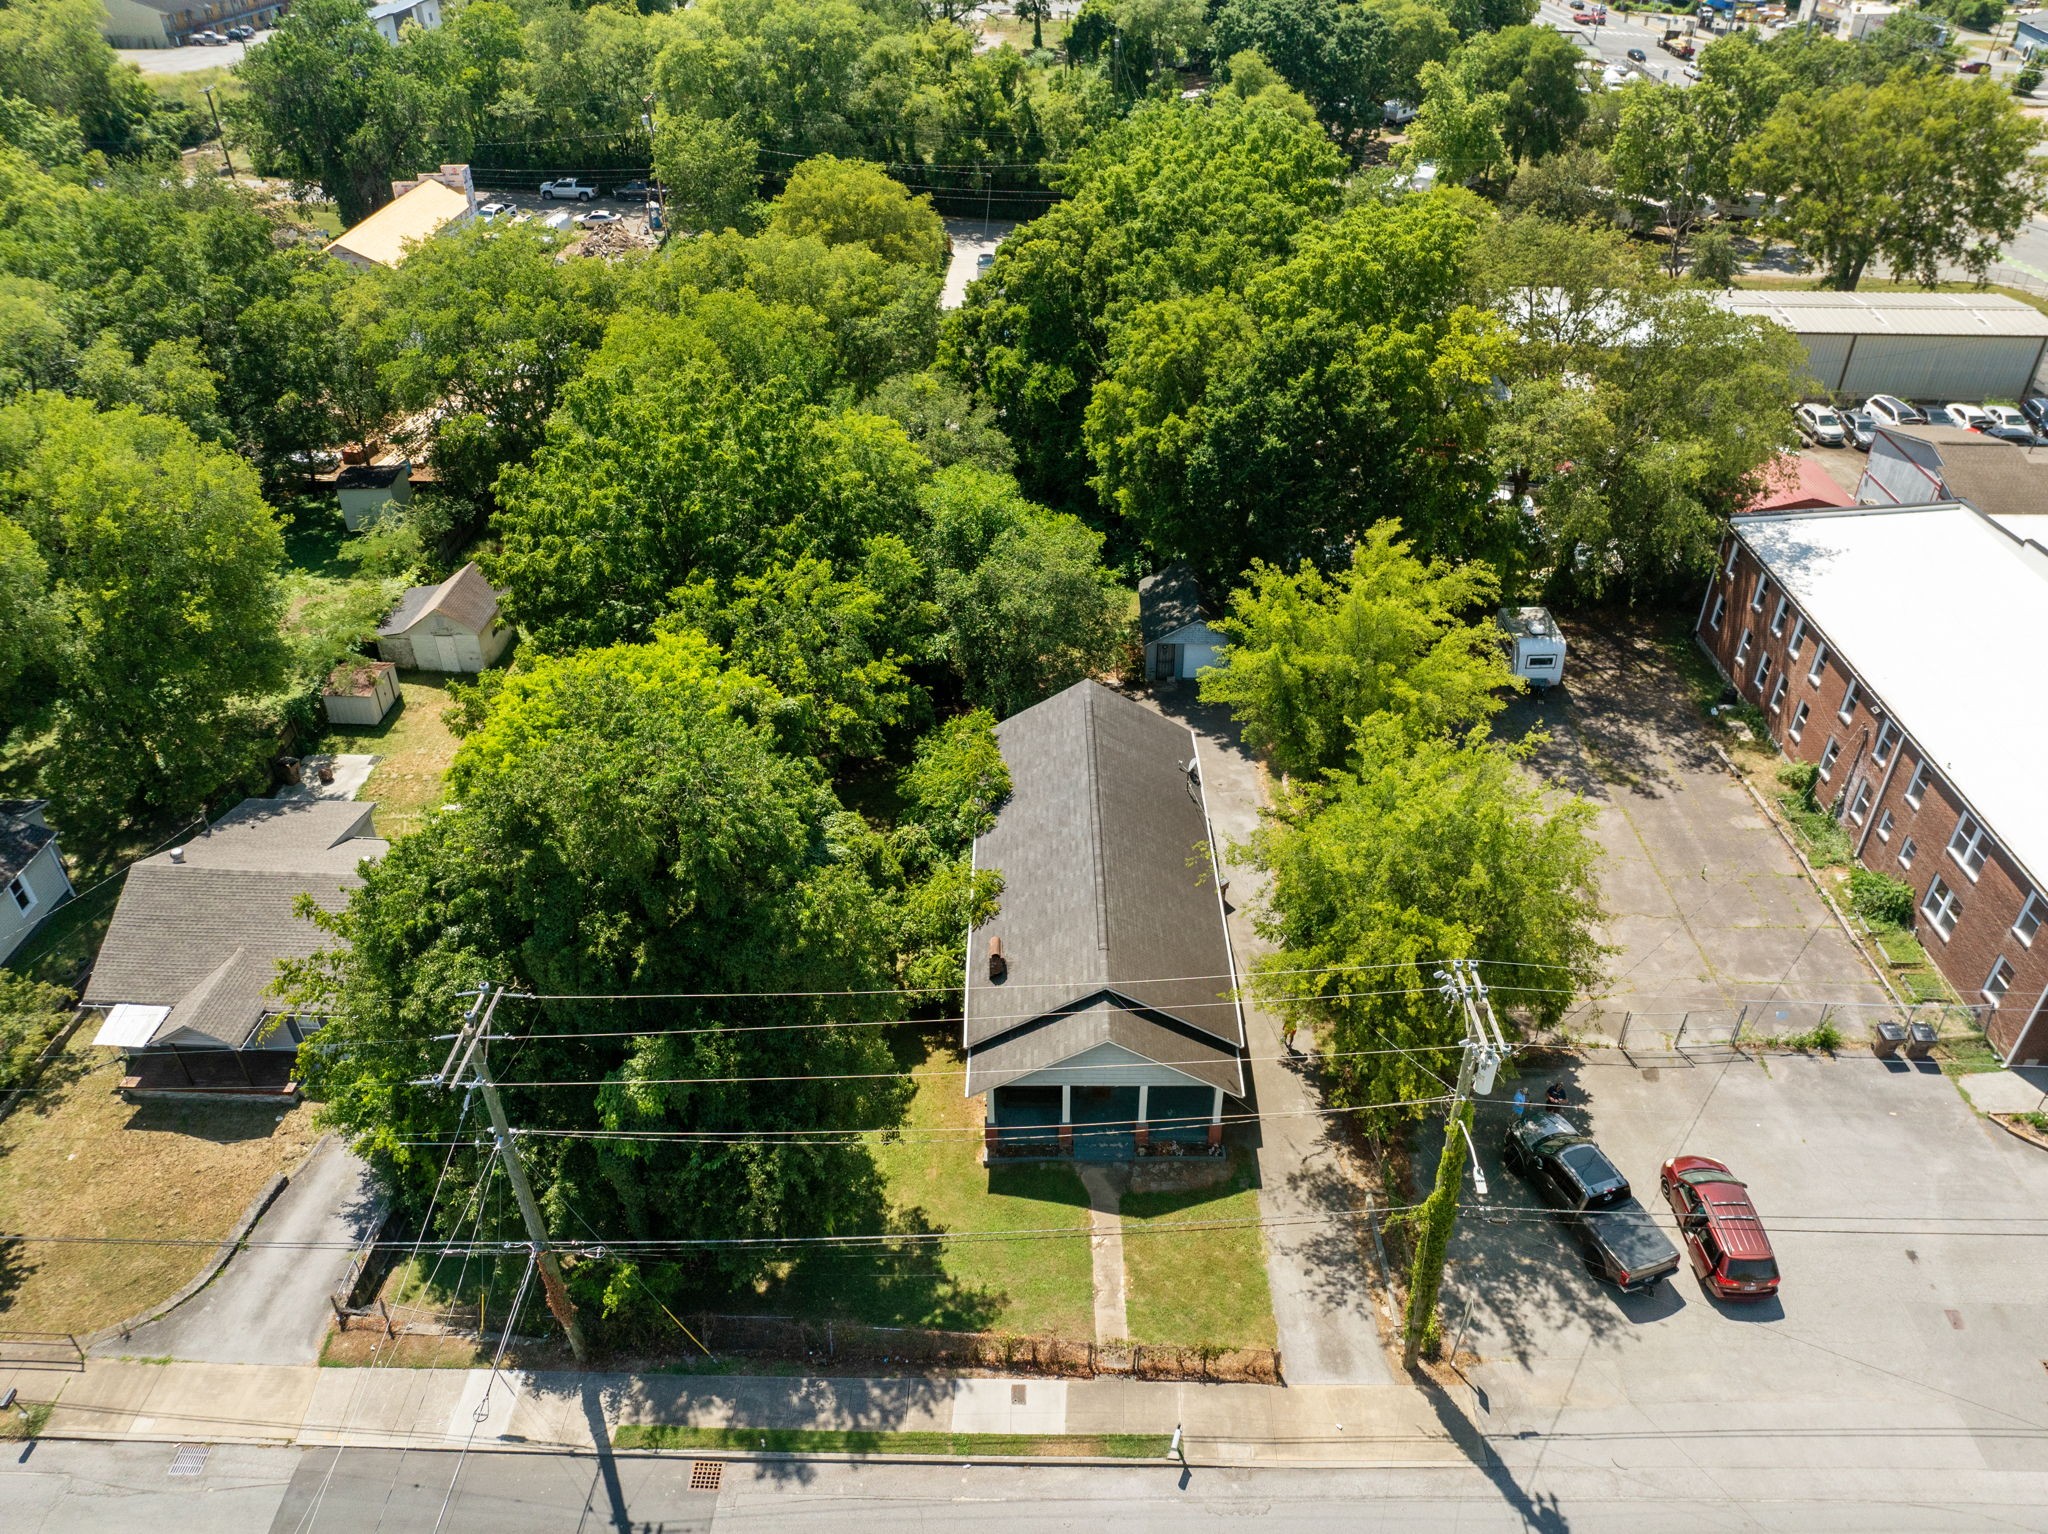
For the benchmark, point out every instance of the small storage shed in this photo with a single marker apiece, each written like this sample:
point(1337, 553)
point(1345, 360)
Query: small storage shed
point(365, 489)
point(450, 627)
point(361, 691)
point(1173, 622)
point(1536, 647)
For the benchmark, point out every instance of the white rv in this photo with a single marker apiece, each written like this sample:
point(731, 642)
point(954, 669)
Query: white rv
point(1536, 647)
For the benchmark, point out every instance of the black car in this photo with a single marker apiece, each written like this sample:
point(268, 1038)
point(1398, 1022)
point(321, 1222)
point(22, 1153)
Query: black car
point(1571, 1174)
point(2014, 434)
point(1639, 56)
point(634, 191)
point(2036, 410)
point(1862, 429)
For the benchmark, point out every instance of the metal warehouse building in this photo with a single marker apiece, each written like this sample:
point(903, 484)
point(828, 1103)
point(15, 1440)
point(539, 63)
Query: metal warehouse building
point(1967, 346)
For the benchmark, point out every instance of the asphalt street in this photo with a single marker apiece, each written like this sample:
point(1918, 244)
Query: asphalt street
point(1610, 43)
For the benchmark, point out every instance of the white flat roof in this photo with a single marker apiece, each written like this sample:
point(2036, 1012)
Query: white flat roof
point(1943, 614)
point(130, 1027)
point(1893, 314)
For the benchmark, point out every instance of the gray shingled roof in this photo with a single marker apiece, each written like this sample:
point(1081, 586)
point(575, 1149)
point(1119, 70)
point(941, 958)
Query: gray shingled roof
point(465, 598)
point(1169, 599)
point(1107, 892)
point(203, 935)
point(20, 840)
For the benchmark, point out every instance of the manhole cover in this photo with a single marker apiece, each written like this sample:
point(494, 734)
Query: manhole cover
point(190, 1459)
point(1016, 1395)
point(707, 1475)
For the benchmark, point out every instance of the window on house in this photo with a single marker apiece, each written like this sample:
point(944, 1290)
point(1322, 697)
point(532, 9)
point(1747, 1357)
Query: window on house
point(1848, 701)
point(1742, 650)
point(1720, 607)
point(2030, 918)
point(1762, 593)
point(1998, 982)
point(1777, 694)
point(1884, 826)
point(1887, 742)
point(1828, 758)
point(1729, 568)
point(1820, 664)
point(1907, 849)
point(23, 897)
point(1916, 790)
point(1778, 616)
point(1798, 726)
point(1798, 638)
point(1970, 845)
point(1942, 908)
point(1763, 670)
point(1860, 807)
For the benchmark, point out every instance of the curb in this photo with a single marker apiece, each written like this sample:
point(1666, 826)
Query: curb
point(230, 1244)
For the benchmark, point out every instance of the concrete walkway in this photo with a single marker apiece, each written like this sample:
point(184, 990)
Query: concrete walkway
point(1105, 1187)
point(269, 1304)
point(2023, 1091)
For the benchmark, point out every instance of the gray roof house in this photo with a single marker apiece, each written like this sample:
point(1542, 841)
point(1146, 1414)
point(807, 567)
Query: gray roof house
point(1101, 1016)
point(1173, 624)
point(185, 971)
point(33, 880)
point(453, 626)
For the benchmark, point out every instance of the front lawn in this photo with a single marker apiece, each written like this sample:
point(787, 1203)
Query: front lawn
point(1195, 1287)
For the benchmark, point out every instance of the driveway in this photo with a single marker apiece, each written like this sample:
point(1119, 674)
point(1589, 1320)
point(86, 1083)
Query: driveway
point(972, 239)
point(1310, 1190)
point(1711, 917)
point(269, 1304)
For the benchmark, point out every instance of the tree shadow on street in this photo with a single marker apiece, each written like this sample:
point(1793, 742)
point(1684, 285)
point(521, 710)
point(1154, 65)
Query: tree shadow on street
point(1539, 1512)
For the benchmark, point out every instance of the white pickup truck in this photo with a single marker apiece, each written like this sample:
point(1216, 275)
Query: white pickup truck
point(568, 189)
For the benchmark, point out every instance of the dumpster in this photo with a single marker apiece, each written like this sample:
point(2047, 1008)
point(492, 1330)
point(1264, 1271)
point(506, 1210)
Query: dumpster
point(1920, 1041)
point(1885, 1042)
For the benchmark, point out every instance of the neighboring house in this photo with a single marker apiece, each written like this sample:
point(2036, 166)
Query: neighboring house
point(167, 23)
point(186, 969)
point(1173, 622)
point(393, 14)
point(1894, 648)
point(365, 489)
point(418, 211)
point(450, 627)
point(1913, 465)
point(1101, 1017)
point(33, 882)
point(1964, 346)
point(360, 691)
point(1795, 482)
point(2031, 38)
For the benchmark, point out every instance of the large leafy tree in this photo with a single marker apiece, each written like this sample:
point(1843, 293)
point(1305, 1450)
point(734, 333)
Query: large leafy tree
point(161, 558)
point(1340, 56)
point(1918, 173)
point(1310, 655)
point(1536, 71)
point(851, 202)
point(1677, 147)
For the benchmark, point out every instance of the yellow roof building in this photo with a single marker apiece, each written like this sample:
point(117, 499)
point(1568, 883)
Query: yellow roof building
point(421, 210)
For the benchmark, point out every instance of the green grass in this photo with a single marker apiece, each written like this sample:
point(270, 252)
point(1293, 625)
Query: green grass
point(937, 1183)
point(29, 1422)
point(414, 747)
point(1925, 985)
point(1693, 665)
point(1900, 948)
point(1230, 1305)
point(787, 1440)
point(1970, 1054)
point(1819, 834)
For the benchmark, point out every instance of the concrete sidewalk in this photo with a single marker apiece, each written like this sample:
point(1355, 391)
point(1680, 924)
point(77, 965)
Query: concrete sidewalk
point(311, 1406)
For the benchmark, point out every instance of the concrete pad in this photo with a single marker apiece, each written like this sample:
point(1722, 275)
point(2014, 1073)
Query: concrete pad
point(203, 1403)
point(2006, 1091)
point(351, 772)
point(993, 1406)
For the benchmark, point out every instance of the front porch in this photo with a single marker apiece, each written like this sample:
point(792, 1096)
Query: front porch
point(1091, 1121)
point(216, 1073)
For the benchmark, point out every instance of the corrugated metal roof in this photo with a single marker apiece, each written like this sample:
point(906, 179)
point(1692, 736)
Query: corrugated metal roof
point(1960, 678)
point(1897, 314)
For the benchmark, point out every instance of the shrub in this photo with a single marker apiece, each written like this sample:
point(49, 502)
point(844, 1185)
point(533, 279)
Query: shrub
point(1880, 900)
point(1801, 778)
point(2024, 82)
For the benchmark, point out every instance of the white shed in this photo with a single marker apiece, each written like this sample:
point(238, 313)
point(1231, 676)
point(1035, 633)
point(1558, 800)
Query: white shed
point(361, 692)
point(450, 627)
point(1173, 622)
point(1536, 647)
point(365, 489)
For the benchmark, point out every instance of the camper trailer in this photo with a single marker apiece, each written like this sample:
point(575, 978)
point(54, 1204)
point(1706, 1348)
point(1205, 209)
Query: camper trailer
point(1536, 648)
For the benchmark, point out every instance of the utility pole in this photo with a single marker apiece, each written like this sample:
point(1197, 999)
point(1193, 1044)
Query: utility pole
point(468, 1056)
point(1481, 1054)
point(219, 132)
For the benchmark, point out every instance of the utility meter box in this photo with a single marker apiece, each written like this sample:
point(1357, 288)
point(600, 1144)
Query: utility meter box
point(1535, 646)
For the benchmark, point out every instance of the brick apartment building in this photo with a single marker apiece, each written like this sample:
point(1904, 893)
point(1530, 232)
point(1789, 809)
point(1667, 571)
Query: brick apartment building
point(1898, 649)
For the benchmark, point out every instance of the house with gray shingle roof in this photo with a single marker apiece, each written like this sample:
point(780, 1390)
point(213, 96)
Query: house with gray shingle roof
point(33, 882)
point(184, 975)
point(453, 626)
point(1101, 1014)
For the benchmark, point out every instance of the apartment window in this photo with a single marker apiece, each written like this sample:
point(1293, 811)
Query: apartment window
point(1777, 694)
point(24, 898)
point(1820, 664)
point(1828, 758)
point(1998, 982)
point(1906, 850)
point(1763, 591)
point(1860, 807)
point(1798, 726)
point(1884, 826)
point(1942, 908)
point(1916, 790)
point(1728, 570)
point(1720, 607)
point(1763, 670)
point(1887, 742)
point(1778, 615)
point(1742, 650)
point(1848, 701)
point(1798, 638)
point(2030, 918)
point(1970, 845)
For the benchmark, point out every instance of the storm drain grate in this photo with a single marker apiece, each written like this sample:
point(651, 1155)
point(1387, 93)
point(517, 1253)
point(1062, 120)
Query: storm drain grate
point(1016, 1395)
point(190, 1459)
point(707, 1475)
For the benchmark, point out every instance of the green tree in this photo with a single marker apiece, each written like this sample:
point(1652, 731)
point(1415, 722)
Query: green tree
point(1677, 148)
point(53, 56)
point(35, 345)
point(1568, 188)
point(1311, 655)
point(1460, 130)
point(709, 172)
point(31, 1013)
point(162, 560)
point(1038, 13)
point(1536, 71)
point(29, 626)
point(849, 202)
point(1472, 17)
point(1977, 15)
point(1919, 173)
point(1340, 56)
point(958, 780)
point(944, 421)
point(1418, 32)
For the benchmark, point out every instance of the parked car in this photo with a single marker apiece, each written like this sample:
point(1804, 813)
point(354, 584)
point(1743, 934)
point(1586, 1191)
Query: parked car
point(635, 190)
point(1937, 415)
point(1820, 425)
point(240, 34)
point(599, 216)
point(1862, 428)
point(2035, 409)
point(1638, 56)
point(567, 188)
point(2005, 415)
point(984, 261)
point(1723, 1235)
point(1972, 67)
point(206, 39)
point(1621, 1243)
point(1975, 417)
point(493, 210)
point(2019, 436)
point(1889, 410)
point(1692, 72)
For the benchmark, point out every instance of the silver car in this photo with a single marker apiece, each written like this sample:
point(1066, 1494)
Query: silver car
point(1820, 425)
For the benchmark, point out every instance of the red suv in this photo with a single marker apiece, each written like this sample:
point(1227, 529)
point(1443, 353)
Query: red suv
point(1723, 1235)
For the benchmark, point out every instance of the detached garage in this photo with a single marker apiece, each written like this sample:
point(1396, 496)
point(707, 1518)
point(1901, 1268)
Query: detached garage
point(1944, 346)
point(450, 627)
point(1173, 622)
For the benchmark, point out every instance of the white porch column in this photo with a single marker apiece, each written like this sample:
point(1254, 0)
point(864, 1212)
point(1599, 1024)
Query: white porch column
point(1066, 1119)
point(1139, 1133)
point(1216, 1119)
